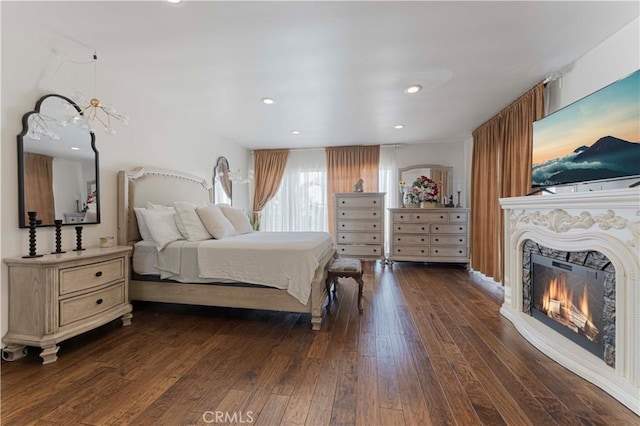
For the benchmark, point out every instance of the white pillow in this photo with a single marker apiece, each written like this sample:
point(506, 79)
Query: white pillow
point(215, 221)
point(238, 219)
point(142, 225)
point(162, 226)
point(153, 206)
point(189, 223)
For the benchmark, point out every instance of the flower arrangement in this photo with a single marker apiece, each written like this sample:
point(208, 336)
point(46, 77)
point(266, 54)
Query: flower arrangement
point(422, 189)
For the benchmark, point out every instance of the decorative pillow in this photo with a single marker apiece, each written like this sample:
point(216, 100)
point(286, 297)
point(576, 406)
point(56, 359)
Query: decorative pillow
point(162, 226)
point(142, 225)
point(238, 219)
point(189, 223)
point(215, 221)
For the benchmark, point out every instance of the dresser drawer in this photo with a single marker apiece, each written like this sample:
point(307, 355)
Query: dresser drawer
point(359, 250)
point(359, 213)
point(458, 217)
point(359, 201)
point(449, 252)
point(359, 237)
point(449, 240)
point(422, 217)
point(87, 305)
point(91, 275)
point(449, 229)
point(410, 228)
point(411, 251)
point(410, 239)
point(359, 225)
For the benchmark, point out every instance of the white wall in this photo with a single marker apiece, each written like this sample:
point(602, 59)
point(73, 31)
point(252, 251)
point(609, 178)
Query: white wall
point(160, 135)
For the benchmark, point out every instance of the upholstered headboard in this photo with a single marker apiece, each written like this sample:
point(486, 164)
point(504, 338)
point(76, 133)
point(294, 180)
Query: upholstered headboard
point(159, 186)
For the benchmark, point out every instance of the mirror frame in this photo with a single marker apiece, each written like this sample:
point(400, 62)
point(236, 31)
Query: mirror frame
point(225, 184)
point(25, 128)
point(448, 169)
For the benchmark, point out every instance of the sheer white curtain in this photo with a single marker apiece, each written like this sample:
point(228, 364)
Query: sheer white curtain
point(301, 201)
point(388, 182)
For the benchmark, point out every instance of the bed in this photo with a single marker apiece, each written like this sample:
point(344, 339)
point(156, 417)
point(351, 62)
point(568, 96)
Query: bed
point(161, 186)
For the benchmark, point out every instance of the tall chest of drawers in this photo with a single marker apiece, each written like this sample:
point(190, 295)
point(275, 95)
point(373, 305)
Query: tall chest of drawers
point(58, 296)
point(430, 235)
point(359, 224)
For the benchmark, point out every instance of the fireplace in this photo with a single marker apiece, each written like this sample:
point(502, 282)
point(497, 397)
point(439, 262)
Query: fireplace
point(570, 299)
point(584, 248)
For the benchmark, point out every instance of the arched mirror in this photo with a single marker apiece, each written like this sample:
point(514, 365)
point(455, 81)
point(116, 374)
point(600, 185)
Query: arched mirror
point(441, 175)
point(58, 175)
point(222, 182)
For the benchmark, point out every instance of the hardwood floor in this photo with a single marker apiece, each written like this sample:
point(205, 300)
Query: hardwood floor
point(430, 348)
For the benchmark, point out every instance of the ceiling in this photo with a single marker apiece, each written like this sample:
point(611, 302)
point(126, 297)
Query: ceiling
point(336, 70)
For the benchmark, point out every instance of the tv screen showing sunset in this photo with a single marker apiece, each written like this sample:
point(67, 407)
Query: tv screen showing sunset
point(595, 138)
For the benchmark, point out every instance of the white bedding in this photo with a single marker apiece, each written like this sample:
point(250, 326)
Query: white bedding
point(284, 260)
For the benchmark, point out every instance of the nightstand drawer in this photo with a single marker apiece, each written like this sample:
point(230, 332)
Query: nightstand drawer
point(359, 214)
point(359, 237)
point(92, 275)
point(411, 251)
point(87, 305)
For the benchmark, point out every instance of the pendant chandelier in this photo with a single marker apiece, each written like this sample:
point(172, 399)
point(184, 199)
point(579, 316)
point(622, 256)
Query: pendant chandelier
point(93, 112)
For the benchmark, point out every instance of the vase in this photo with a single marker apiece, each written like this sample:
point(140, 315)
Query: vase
point(427, 205)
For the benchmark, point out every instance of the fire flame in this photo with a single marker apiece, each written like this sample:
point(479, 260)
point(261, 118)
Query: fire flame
point(558, 300)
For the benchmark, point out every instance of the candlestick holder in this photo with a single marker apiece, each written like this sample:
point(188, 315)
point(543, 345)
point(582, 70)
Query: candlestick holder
point(33, 222)
point(458, 205)
point(58, 224)
point(78, 239)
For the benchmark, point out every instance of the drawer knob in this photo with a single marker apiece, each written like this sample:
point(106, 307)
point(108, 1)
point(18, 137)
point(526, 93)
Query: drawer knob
point(374, 213)
point(457, 217)
point(460, 251)
point(343, 225)
point(422, 239)
point(437, 240)
point(99, 302)
point(437, 228)
point(375, 201)
point(401, 217)
point(423, 228)
point(342, 250)
point(342, 201)
point(399, 239)
point(421, 251)
point(375, 226)
point(342, 213)
point(399, 250)
point(441, 217)
point(375, 250)
point(418, 217)
point(436, 251)
point(460, 228)
point(99, 274)
point(343, 237)
point(460, 240)
point(375, 238)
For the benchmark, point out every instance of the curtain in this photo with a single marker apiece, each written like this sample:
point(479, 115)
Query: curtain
point(301, 202)
point(501, 167)
point(347, 164)
point(269, 168)
point(388, 182)
point(38, 187)
point(439, 176)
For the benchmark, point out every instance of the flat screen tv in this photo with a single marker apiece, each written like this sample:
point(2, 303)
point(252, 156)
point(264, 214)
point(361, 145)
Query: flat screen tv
point(595, 138)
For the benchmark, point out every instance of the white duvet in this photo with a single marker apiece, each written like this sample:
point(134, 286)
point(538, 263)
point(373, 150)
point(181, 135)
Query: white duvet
point(284, 260)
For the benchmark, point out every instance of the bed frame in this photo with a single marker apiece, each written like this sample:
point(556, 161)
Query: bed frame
point(161, 186)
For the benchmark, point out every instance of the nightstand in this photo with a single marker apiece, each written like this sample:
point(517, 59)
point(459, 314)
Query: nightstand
point(58, 296)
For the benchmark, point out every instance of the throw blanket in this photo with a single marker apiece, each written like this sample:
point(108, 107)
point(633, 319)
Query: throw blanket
point(284, 260)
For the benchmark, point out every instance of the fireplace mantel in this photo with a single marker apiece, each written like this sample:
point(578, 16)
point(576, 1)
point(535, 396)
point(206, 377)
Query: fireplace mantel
point(604, 221)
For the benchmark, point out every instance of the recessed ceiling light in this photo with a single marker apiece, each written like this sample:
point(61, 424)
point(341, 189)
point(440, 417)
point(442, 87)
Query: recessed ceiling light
point(268, 101)
point(295, 132)
point(414, 88)
point(75, 148)
point(399, 126)
point(174, 1)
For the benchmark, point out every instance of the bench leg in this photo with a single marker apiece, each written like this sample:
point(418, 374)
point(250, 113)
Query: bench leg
point(360, 285)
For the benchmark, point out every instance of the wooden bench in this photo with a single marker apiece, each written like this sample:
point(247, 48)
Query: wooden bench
point(345, 268)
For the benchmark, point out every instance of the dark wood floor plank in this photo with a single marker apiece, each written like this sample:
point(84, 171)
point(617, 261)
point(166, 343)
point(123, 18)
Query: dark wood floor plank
point(430, 348)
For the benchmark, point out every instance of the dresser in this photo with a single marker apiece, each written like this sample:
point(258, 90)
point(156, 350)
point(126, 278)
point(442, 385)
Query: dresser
point(58, 296)
point(430, 235)
point(359, 224)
